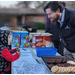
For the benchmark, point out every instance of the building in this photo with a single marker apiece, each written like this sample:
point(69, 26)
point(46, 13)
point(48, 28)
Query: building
point(17, 16)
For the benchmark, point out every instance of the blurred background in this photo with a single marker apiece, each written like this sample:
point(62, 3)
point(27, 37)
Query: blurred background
point(15, 13)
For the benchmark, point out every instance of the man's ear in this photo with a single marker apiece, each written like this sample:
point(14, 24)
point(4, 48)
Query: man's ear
point(58, 10)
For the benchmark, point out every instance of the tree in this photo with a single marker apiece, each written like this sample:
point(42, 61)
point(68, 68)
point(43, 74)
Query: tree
point(24, 3)
point(36, 4)
point(40, 4)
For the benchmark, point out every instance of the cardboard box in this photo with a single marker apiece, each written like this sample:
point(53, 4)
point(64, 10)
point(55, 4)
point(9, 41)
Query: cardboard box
point(16, 39)
point(40, 40)
point(20, 39)
point(24, 39)
point(32, 37)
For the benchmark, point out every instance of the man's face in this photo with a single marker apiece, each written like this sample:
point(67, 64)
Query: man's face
point(54, 16)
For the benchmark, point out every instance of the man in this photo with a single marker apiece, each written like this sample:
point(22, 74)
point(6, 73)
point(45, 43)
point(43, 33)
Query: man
point(51, 29)
point(48, 22)
point(64, 25)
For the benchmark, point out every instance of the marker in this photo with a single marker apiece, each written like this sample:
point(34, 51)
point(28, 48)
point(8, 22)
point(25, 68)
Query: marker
point(37, 61)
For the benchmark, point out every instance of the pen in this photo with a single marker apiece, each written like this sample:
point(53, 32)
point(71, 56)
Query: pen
point(37, 61)
point(24, 49)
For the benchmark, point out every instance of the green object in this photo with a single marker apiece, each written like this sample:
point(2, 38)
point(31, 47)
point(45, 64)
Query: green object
point(40, 25)
point(26, 44)
point(26, 36)
point(18, 44)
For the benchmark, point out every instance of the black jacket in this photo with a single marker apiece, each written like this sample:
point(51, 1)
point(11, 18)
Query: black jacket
point(54, 31)
point(67, 30)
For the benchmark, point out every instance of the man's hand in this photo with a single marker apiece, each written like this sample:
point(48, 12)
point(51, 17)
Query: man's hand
point(63, 42)
point(60, 39)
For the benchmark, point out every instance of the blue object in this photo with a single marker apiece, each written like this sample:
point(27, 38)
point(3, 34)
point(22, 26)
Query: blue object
point(46, 51)
point(24, 39)
point(16, 39)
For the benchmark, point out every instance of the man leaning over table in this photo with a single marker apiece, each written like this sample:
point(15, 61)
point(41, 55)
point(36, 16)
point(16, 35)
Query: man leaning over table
point(65, 25)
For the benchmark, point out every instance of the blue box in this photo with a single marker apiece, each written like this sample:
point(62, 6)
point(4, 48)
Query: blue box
point(24, 39)
point(46, 51)
point(16, 39)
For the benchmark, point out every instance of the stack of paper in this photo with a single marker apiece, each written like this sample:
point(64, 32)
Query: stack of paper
point(30, 68)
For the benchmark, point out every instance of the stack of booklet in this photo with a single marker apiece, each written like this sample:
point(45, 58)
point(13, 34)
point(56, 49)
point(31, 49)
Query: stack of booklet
point(29, 66)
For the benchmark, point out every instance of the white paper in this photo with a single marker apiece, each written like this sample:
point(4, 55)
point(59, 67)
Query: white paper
point(49, 44)
point(46, 34)
point(30, 68)
point(15, 70)
point(24, 49)
point(19, 62)
point(26, 55)
point(34, 51)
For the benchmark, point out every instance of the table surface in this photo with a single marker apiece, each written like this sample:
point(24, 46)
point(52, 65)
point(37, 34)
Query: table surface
point(34, 56)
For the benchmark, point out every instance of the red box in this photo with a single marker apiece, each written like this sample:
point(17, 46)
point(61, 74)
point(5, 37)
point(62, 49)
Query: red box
point(40, 41)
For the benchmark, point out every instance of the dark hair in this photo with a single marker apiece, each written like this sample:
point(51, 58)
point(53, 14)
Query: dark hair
point(54, 5)
point(63, 3)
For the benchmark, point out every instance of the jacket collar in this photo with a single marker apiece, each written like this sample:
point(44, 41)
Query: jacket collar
point(66, 15)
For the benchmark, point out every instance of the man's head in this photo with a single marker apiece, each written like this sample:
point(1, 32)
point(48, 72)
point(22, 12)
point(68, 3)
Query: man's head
point(63, 4)
point(54, 10)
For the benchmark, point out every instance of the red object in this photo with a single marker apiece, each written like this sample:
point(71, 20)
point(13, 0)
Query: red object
point(40, 41)
point(18, 37)
point(15, 36)
point(2, 73)
point(9, 57)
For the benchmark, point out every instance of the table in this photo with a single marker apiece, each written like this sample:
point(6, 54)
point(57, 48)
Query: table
point(32, 54)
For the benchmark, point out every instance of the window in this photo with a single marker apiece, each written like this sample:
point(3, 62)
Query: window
point(28, 19)
point(35, 19)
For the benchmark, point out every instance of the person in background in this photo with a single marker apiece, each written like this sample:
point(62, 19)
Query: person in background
point(48, 25)
point(29, 28)
point(65, 26)
point(6, 56)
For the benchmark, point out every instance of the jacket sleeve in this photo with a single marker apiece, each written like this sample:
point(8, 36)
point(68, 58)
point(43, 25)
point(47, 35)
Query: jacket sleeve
point(8, 56)
point(34, 29)
point(13, 50)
